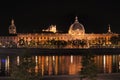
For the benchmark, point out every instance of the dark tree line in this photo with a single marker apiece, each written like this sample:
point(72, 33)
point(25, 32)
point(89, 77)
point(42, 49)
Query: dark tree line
point(53, 43)
point(115, 40)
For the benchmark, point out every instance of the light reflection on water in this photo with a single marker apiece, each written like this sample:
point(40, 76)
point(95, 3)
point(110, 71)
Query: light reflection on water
point(60, 64)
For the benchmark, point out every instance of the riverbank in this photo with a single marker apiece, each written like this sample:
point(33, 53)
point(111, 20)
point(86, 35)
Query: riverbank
point(41, 51)
point(112, 76)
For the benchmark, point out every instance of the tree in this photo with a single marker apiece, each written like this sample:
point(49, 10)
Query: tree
point(115, 39)
point(77, 43)
point(56, 43)
point(83, 43)
point(50, 43)
point(89, 68)
point(21, 43)
point(60, 43)
point(25, 70)
point(12, 44)
point(32, 43)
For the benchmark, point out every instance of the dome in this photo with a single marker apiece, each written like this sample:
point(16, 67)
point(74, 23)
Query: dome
point(76, 28)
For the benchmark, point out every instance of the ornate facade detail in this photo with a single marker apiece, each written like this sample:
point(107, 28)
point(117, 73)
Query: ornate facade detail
point(75, 38)
point(51, 28)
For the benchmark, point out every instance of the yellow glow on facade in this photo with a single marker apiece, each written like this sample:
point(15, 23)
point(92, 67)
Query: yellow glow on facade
point(53, 58)
point(71, 59)
point(119, 61)
point(36, 61)
point(70, 65)
point(7, 63)
point(56, 65)
point(104, 62)
point(42, 65)
point(18, 60)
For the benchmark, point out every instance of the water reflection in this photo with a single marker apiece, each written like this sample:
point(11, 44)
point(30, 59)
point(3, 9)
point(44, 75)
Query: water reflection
point(60, 65)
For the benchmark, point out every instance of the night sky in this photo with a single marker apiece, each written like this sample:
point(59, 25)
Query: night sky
point(33, 16)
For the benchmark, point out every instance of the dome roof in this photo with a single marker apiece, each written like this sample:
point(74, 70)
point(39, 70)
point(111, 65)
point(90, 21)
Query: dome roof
point(76, 28)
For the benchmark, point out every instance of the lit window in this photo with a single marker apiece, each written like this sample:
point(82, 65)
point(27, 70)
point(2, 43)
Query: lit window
point(37, 37)
point(41, 37)
point(44, 37)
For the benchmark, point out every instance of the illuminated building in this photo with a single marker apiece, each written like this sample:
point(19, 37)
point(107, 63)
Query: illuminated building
point(75, 33)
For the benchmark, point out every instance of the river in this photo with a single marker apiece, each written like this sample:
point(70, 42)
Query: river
point(62, 64)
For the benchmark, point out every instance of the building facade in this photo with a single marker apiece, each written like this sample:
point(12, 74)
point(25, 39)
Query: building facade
point(50, 38)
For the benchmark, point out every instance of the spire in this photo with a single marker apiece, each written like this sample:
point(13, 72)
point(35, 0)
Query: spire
point(109, 29)
point(12, 22)
point(76, 19)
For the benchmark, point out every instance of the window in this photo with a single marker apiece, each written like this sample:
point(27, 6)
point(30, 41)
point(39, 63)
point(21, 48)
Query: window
point(44, 37)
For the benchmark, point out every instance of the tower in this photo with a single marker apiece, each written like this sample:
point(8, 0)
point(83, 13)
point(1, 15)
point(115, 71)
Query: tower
point(12, 28)
point(109, 29)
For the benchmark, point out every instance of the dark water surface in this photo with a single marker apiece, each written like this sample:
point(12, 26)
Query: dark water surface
point(62, 64)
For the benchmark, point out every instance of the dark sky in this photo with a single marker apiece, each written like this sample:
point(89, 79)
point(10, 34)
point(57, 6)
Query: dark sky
point(34, 15)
